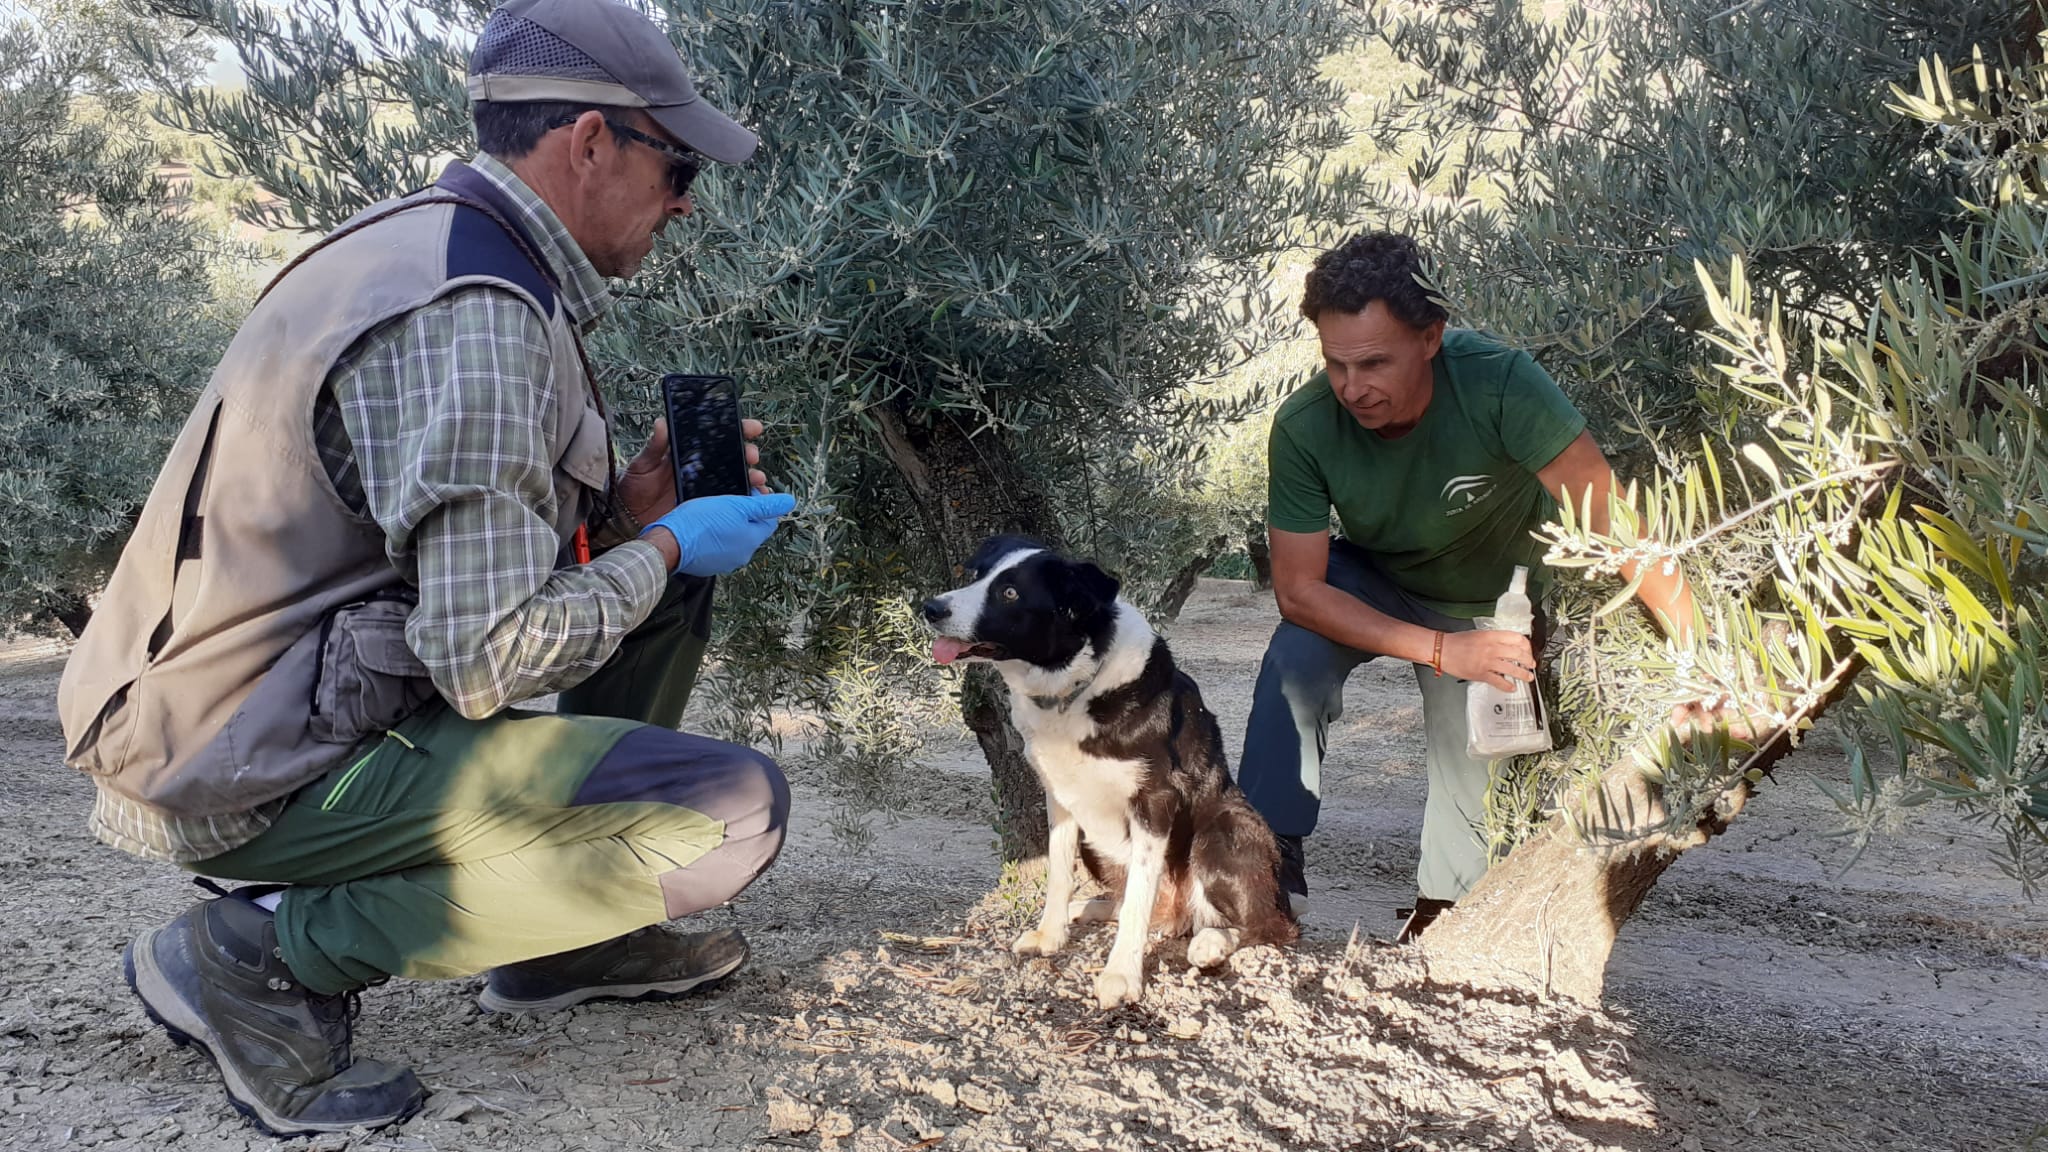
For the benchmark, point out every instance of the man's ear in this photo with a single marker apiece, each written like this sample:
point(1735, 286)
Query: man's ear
point(587, 135)
point(1089, 588)
point(1433, 338)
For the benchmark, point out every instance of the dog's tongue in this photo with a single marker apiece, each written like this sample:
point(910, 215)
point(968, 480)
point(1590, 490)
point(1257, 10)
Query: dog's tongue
point(945, 649)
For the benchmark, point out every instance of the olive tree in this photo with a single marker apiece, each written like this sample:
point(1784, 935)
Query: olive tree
point(108, 323)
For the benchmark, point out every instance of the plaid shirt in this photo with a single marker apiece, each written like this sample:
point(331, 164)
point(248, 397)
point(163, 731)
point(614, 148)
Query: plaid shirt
point(436, 425)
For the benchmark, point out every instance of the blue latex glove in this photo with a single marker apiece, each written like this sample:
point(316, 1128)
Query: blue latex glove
point(718, 534)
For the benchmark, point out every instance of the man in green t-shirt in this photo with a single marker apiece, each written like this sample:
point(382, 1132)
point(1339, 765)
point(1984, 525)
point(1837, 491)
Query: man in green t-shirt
point(1440, 451)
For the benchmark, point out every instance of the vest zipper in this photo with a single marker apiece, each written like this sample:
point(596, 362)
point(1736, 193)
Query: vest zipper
point(320, 660)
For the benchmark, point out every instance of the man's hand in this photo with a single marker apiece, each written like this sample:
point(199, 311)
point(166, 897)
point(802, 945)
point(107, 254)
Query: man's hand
point(1708, 715)
point(1493, 658)
point(714, 535)
point(1582, 467)
point(648, 487)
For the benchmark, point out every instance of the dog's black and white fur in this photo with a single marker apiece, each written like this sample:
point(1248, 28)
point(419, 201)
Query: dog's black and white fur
point(1135, 775)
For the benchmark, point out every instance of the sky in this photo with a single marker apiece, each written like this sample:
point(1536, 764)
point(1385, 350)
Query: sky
point(226, 71)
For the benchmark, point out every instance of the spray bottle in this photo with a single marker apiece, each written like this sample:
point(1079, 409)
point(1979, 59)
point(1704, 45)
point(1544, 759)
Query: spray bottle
point(1508, 723)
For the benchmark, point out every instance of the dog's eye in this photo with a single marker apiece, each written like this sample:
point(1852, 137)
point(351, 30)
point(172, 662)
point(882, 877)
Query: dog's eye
point(1009, 593)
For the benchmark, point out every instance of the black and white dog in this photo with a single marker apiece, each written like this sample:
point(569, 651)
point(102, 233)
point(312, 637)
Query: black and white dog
point(1133, 765)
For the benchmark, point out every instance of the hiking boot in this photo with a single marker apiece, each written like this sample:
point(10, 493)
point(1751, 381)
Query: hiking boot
point(651, 964)
point(1293, 874)
point(1424, 913)
point(213, 977)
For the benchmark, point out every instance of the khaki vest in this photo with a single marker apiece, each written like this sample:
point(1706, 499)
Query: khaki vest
point(253, 629)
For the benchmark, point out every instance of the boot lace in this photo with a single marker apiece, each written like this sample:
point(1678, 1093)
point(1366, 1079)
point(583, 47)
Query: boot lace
point(336, 1015)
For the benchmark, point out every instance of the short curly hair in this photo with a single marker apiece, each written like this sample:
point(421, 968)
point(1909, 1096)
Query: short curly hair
point(1372, 266)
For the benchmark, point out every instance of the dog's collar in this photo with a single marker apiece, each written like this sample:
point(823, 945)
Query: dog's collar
point(1065, 701)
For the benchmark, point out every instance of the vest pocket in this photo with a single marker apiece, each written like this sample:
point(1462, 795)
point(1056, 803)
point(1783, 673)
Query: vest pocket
point(88, 749)
point(368, 679)
point(586, 457)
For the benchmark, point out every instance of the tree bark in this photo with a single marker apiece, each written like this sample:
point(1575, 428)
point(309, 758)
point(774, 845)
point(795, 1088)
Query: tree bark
point(1178, 589)
point(1546, 917)
point(1021, 821)
point(73, 613)
point(967, 488)
point(1256, 546)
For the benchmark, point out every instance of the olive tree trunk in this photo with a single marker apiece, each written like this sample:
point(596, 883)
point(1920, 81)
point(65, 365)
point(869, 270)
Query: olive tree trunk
point(72, 611)
point(1182, 585)
point(1545, 919)
point(967, 488)
point(1258, 548)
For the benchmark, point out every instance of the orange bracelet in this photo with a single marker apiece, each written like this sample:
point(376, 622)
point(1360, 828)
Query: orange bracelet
point(1436, 656)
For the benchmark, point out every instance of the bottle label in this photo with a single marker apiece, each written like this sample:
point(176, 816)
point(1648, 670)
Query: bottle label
point(1501, 723)
point(1516, 713)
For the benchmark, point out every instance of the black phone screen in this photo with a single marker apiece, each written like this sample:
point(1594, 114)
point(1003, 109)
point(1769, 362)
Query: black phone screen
point(704, 441)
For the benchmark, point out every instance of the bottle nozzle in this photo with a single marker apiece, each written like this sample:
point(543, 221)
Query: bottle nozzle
point(1520, 582)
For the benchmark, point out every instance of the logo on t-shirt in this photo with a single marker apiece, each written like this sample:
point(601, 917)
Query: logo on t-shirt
point(1462, 492)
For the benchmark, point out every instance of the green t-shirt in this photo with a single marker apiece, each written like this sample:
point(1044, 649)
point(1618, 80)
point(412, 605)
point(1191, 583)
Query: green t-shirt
point(1446, 509)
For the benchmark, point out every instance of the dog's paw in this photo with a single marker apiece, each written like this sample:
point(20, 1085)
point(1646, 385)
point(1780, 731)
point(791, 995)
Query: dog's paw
point(1096, 910)
point(1039, 942)
point(1114, 988)
point(1212, 946)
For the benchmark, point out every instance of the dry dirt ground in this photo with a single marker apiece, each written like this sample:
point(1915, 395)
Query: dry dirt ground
point(1763, 998)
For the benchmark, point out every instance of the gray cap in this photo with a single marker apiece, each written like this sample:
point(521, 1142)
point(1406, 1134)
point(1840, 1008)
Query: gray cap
point(598, 52)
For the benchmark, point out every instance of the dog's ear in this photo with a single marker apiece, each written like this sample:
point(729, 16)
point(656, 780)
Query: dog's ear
point(1088, 588)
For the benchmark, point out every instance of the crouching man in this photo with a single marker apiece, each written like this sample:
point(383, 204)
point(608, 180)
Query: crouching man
point(1441, 451)
point(394, 513)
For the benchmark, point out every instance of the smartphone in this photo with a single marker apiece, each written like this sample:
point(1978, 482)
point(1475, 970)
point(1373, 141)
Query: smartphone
point(704, 441)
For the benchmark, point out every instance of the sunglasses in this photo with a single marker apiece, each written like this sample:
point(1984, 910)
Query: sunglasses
point(683, 164)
